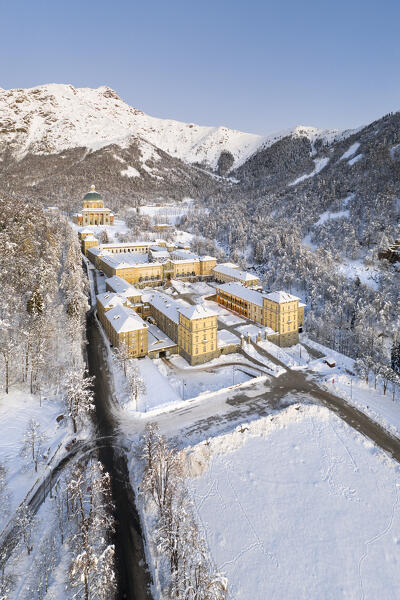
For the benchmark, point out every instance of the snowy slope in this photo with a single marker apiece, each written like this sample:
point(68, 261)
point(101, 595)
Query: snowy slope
point(55, 117)
point(52, 118)
point(299, 506)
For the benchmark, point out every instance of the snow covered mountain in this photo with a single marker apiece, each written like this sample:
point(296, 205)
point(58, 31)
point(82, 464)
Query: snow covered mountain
point(52, 118)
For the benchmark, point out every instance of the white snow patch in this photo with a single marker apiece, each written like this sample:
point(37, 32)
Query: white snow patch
point(354, 160)
point(352, 150)
point(130, 172)
point(356, 268)
point(332, 215)
point(320, 163)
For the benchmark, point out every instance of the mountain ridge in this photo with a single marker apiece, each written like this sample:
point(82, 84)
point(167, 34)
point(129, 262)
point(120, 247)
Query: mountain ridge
point(52, 118)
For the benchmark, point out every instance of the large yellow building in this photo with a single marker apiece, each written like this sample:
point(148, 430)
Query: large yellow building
point(193, 329)
point(279, 311)
point(93, 211)
point(197, 334)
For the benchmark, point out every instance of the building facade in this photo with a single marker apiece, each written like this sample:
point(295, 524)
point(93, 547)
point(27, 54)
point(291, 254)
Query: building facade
point(93, 210)
point(280, 312)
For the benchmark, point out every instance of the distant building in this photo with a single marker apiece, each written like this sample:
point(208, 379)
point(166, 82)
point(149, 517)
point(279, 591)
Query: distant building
point(93, 211)
point(392, 254)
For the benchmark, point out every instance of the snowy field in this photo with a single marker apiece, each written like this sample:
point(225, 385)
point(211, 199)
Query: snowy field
point(170, 213)
point(167, 384)
point(299, 507)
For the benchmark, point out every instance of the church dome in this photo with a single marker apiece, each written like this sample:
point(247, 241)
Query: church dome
point(92, 195)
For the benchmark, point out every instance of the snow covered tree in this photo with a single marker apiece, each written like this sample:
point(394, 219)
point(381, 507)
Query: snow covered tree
point(92, 568)
point(162, 471)
point(79, 396)
point(4, 494)
point(124, 355)
point(395, 356)
point(25, 522)
point(32, 448)
point(190, 573)
point(136, 383)
point(104, 237)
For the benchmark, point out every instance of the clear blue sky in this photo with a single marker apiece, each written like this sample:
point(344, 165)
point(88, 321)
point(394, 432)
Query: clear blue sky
point(254, 65)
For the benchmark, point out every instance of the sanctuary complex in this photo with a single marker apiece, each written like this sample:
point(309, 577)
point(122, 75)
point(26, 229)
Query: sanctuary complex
point(139, 312)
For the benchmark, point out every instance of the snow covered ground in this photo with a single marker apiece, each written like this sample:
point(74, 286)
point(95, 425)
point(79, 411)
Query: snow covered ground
point(230, 319)
point(251, 330)
point(170, 213)
point(340, 381)
point(16, 410)
point(331, 215)
point(356, 268)
point(292, 357)
point(299, 506)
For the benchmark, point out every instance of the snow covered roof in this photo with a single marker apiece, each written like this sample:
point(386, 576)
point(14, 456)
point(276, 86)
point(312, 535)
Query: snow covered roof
point(182, 254)
point(198, 311)
point(281, 297)
point(120, 286)
point(206, 257)
point(110, 299)
point(125, 261)
point(242, 292)
point(235, 272)
point(95, 251)
point(127, 245)
point(90, 238)
point(157, 339)
point(185, 261)
point(228, 264)
point(124, 319)
point(165, 305)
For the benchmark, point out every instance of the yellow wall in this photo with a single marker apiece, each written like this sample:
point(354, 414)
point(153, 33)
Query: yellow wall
point(206, 267)
point(88, 244)
point(197, 339)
